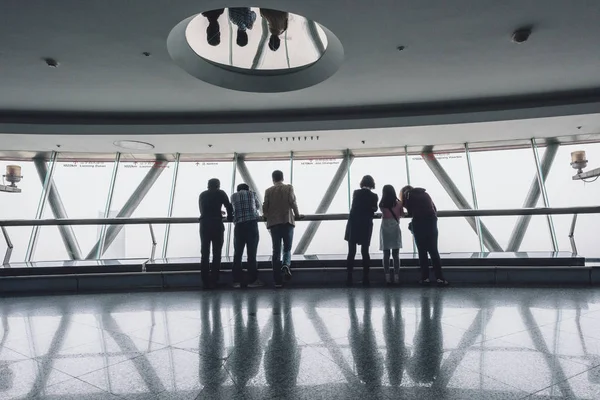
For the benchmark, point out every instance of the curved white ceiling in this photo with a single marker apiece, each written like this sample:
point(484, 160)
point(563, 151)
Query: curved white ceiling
point(459, 66)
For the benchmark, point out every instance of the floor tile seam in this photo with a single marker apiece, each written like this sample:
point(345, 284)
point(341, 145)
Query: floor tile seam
point(558, 382)
point(80, 380)
point(536, 391)
point(97, 369)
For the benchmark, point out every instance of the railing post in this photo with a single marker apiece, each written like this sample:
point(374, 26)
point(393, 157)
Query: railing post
point(572, 235)
point(109, 197)
point(414, 243)
point(474, 194)
point(171, 204)
point(40, 210)
point(9, 246)
point(541, 181)
point(153, 238)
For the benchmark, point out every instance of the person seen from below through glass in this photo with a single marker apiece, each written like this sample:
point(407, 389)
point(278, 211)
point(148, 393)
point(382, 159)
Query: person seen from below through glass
point(245, 234)
point(243, 18)
point(359, 228)
point(423, 212)
point(212, 230)
point(278, 24)
point(390, 236)
point(213, 31)
point(281, 212)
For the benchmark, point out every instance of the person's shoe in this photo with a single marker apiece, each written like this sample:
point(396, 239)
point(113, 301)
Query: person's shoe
point(388, 278)
point(287, 272)
point(424, 282)
point(255, 284)
point(236, 285)
point(366, 282)
point(442, 282)
point(278, 285)
point(397, 278)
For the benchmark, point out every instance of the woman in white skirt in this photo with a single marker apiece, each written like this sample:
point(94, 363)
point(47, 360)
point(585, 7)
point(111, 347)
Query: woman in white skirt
point(390, 239)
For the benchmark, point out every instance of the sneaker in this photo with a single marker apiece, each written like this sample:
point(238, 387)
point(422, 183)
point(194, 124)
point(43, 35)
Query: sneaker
point(237, 285)
point(442, 282)
point(397, 278)
point(287, 272)
point(255, 284)
point(388, 278)
point(424, 282)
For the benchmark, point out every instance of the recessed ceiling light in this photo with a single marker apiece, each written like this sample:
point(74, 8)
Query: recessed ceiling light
point(51, 62)
point(133, 145)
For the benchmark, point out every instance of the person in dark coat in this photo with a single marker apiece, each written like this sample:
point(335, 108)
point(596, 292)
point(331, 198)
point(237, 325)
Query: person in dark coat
point(359, 228)
point(423, 212)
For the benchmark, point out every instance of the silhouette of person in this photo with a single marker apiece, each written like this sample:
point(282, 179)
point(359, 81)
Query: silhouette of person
point(367, 359)
point(244, 18)
point(278, 24)
point(244, 361)
point(393, 332)
point(212, 345)
point(282, 356)
point(213, 32)
point(424, 366)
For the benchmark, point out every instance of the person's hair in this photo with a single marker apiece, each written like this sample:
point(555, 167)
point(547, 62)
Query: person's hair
point(367, 181)
point(404, 191)
point(277, 176)
point(242, 186)
point(388, 197)
point(274, 42)
point(214, 183)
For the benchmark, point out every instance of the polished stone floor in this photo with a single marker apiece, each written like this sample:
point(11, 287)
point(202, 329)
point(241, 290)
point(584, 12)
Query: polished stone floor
point(378, 343)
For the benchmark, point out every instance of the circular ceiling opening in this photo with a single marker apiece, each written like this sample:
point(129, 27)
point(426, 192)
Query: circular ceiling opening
point(255, 49)
point(256, 38)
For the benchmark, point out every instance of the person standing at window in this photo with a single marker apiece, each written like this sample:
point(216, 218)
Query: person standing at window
point(281, 212)
point(359, 228)
point(245, 234)
point(212, 230)
point(421, 208)
point(390, 236)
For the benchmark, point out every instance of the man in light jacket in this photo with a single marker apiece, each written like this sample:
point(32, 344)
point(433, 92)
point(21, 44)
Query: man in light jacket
point(281, 212)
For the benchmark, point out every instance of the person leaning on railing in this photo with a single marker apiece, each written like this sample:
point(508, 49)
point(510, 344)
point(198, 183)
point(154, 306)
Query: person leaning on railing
point(421, 208)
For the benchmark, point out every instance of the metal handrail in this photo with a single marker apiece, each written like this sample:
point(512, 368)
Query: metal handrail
point(310, 217)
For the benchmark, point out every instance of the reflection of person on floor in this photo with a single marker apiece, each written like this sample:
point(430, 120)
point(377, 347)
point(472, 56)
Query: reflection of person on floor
point(282, 357)
point(244, 19)
point(278, 24)
point(393, 331)
point(212, 346)
point(244, 361)
point(424, 366)
point(213, 32)
point(367, 359)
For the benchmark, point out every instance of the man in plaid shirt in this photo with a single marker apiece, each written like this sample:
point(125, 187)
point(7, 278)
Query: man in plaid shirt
point(245, 216)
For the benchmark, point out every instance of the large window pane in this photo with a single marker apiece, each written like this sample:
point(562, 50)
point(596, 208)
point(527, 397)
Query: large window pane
point(455, 234)
point(389, 170)
point(563, 191)
point(134, 240)
point(261, 172)
point(312, 178)
point(502, 180)
point(82, 187)
point(20, 206)
point(192, 180)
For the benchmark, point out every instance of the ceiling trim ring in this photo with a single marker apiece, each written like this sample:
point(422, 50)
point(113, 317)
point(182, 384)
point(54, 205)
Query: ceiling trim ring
point(260, 82)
